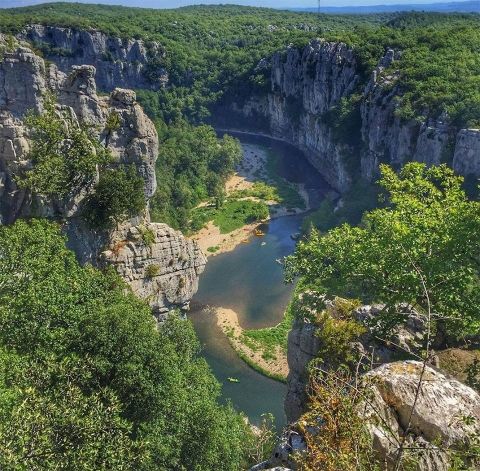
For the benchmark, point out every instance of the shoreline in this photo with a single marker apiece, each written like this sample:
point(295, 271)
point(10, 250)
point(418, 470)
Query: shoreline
point(251, 169)
point(276, 369)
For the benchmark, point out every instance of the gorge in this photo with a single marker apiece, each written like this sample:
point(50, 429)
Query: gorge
point(320, 105)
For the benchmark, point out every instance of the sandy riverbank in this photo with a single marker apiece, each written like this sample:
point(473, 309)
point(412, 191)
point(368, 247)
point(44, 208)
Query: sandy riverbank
point(252, 168)
point(227, 320)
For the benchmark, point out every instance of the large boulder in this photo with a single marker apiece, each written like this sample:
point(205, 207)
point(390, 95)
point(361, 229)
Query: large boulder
point(304, 344)
point(435, 414)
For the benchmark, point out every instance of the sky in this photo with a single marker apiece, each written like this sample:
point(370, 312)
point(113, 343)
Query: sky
point(264, 3)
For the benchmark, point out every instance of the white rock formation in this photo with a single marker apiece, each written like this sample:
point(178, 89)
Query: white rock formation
point(446, 413)
point(25, 81)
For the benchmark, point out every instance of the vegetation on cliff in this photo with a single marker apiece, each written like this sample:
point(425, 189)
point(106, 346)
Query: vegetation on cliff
point(421, 249)
point(65, 155)
point(86, 379)
point(68, 158)
point(439, 66)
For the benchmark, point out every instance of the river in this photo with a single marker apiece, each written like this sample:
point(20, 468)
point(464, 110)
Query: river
point(249, 280)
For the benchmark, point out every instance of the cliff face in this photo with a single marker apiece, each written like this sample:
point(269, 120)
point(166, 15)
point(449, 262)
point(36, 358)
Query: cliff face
point(25, 81)
point(434, 426)
point(307, 84)
point(304, 345)
point(126, 63)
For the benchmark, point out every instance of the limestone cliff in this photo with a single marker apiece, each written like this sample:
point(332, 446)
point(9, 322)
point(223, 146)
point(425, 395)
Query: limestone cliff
point(304, 345)
point(25, 81)
point(444, 416)
point(120, 62)
point(306, 85)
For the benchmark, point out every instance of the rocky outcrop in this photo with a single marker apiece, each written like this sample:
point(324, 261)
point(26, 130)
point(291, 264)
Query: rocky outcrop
point(303, 347)
point(120, 62)
point(445, 414)
point(25, 82)
point(306, 85)
point(466, 158)
point(163, 269)
point(443, 418)
point(304, 344)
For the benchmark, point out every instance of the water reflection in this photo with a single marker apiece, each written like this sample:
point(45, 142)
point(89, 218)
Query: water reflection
point(249, 280)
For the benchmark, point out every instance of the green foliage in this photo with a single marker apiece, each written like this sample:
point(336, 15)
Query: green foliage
point(48, 422)
point(439, 67)
point(87, 381)
point(152, 270)
point(270, 338)
point(334, 431)
point(288, 194)
point(336, 336)
point(118, 195)
point(192, 166)
point(148, 236)
point(473, 374)
point(64, 154)
point(235, 214)
point(345, 120)
point(265, 439)
point(260, 190)
point(427, 235)
point(360, 197)
point(232, 215)
point(113, 121)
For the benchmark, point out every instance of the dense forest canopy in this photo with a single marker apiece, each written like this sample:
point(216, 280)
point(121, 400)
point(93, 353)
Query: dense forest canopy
point(88, 382)
point(211, 49)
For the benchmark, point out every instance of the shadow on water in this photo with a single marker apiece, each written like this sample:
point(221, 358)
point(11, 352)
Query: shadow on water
point(249, 280)
point(255, 394)
point(291, 164)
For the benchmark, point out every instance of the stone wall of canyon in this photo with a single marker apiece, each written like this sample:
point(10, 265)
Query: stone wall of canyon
point(25, 82)
point(306, 84)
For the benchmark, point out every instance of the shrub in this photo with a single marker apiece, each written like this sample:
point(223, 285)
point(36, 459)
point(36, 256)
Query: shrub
point(335, 433)
point(118, 196)
point(148, 236)
point(65, 155)
point(236, 214)
point(152, 270)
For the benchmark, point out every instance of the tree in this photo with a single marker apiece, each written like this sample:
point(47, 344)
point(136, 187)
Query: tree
point(54, 424)
point(88, 381)
point(64, 154)
point(118, 195)
point(429, 228)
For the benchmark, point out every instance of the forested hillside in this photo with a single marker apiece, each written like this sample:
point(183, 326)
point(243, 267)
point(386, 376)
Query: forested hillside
point(211, 57)
point(211, 49)
point(90, 186)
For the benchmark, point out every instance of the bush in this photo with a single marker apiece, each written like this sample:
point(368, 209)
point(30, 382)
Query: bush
point(65, 155)
point(148, 236)
point(237, 213)
point(334, 431)
point(118, 196)
point(152, 270)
